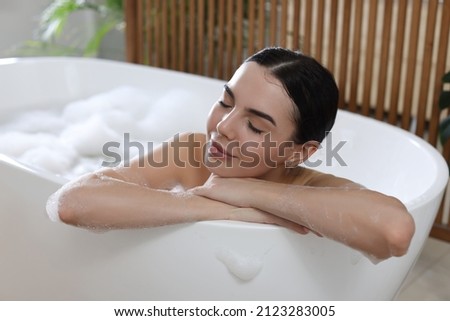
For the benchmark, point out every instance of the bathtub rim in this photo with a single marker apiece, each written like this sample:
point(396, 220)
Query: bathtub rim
point(437, 188)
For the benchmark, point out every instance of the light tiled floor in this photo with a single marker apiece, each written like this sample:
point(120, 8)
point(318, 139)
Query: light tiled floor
point(430, 277)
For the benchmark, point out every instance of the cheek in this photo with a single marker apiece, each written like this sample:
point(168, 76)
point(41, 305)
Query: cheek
point(275, 154)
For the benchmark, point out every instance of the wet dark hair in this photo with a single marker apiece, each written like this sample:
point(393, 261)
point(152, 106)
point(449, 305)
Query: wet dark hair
point(311, 87)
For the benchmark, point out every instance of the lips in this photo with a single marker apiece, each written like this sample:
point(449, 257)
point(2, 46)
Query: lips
point(216, 150)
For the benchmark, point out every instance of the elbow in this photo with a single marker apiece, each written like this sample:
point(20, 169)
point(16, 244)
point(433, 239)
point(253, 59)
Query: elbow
point(400, 232)
point(67, 212)
point(67, 202)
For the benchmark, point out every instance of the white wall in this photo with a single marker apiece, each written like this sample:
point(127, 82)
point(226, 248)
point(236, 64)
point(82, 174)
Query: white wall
point(19, 22)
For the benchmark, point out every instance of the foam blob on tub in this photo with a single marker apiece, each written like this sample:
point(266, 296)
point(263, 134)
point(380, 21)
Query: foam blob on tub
point(243, 267)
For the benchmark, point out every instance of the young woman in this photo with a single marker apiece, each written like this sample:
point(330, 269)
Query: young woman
point(272, 115)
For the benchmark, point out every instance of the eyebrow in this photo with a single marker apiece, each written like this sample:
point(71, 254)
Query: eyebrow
point(228, 90)
point(251, 110)
point(262, 115)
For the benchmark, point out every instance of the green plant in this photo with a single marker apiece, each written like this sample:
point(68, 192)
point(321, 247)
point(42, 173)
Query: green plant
point(53, 21)
point(444, 102)
point(55, 16)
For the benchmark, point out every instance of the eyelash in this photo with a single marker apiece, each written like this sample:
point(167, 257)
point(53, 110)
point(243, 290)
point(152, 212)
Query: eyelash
point(221, 103)
point(253, 128)
point(249, 124)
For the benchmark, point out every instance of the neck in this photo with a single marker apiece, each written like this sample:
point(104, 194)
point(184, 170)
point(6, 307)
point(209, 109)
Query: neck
point(282, 174)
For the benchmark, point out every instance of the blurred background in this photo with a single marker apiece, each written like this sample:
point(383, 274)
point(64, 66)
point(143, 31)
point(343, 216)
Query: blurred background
point(62, 27)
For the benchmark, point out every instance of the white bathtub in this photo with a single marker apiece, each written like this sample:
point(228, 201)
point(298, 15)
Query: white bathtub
point(42, 260)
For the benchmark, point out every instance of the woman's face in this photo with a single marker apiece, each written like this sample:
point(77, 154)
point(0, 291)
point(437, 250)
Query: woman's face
point(251, 125)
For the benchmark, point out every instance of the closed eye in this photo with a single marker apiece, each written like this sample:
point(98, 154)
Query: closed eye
point(253, 128)
point(221, 103)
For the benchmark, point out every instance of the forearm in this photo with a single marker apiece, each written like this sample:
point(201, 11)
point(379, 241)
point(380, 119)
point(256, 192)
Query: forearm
point(360, 218)
point(102, 202)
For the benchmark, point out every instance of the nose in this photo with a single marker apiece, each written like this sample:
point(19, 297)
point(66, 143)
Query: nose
point(226, 127)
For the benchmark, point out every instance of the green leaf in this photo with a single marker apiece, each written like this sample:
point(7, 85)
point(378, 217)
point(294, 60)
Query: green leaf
point(116, 5)
point(54, 17)
point(444, 99)
point(446, 78)
point(444, 130)
point(94, 44)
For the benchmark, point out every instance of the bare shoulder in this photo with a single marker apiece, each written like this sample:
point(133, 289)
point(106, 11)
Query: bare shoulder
point(177, 161)
point(192, 138)
point(314, 178)
point(187, 158)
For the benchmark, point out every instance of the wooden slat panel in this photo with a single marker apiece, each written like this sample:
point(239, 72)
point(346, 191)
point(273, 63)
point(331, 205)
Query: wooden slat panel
point(284, 23)
point(200, 18)
point(384, 58)
point(370, 53)
point(273, 28)
point(174, 51)
point(131, 17)
point(332, 36)
point(252, 26)
point(230, 36)
point(261, 24)
point(239, 31)
point(157, 33)
point(398, 57)
point(142, 28)
point(211, 43)
point(356, 55)
point(164, 36)
point(191, 35)
point(426, 66)
point(296, 26)
point(221, 40)
point(343, 57)
point(182, 35)
point(306, 48)
point(412, 61)
point(442, 60)
point(440, 230)
point(319, 30)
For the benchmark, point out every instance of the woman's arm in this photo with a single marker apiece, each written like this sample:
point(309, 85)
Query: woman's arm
point(368, 221)
point(141, 195)
point(101, 201)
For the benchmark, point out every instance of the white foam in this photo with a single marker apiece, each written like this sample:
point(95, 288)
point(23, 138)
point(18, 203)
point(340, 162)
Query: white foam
point(88, 137)
point(57, 161)
point(243, 267)
point(52, 206)
point(69, 141)
point(35, 121)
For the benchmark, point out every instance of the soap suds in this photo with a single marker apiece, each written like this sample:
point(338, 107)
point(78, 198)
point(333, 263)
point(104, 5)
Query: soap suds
point(243, 267)
point(52, 206)
point(71, 140)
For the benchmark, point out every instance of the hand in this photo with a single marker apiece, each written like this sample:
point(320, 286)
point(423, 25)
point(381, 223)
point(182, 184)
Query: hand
point(238, 192)
point(233, 191)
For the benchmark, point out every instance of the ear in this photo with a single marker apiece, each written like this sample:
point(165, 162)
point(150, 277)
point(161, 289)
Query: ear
point(301, 153)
